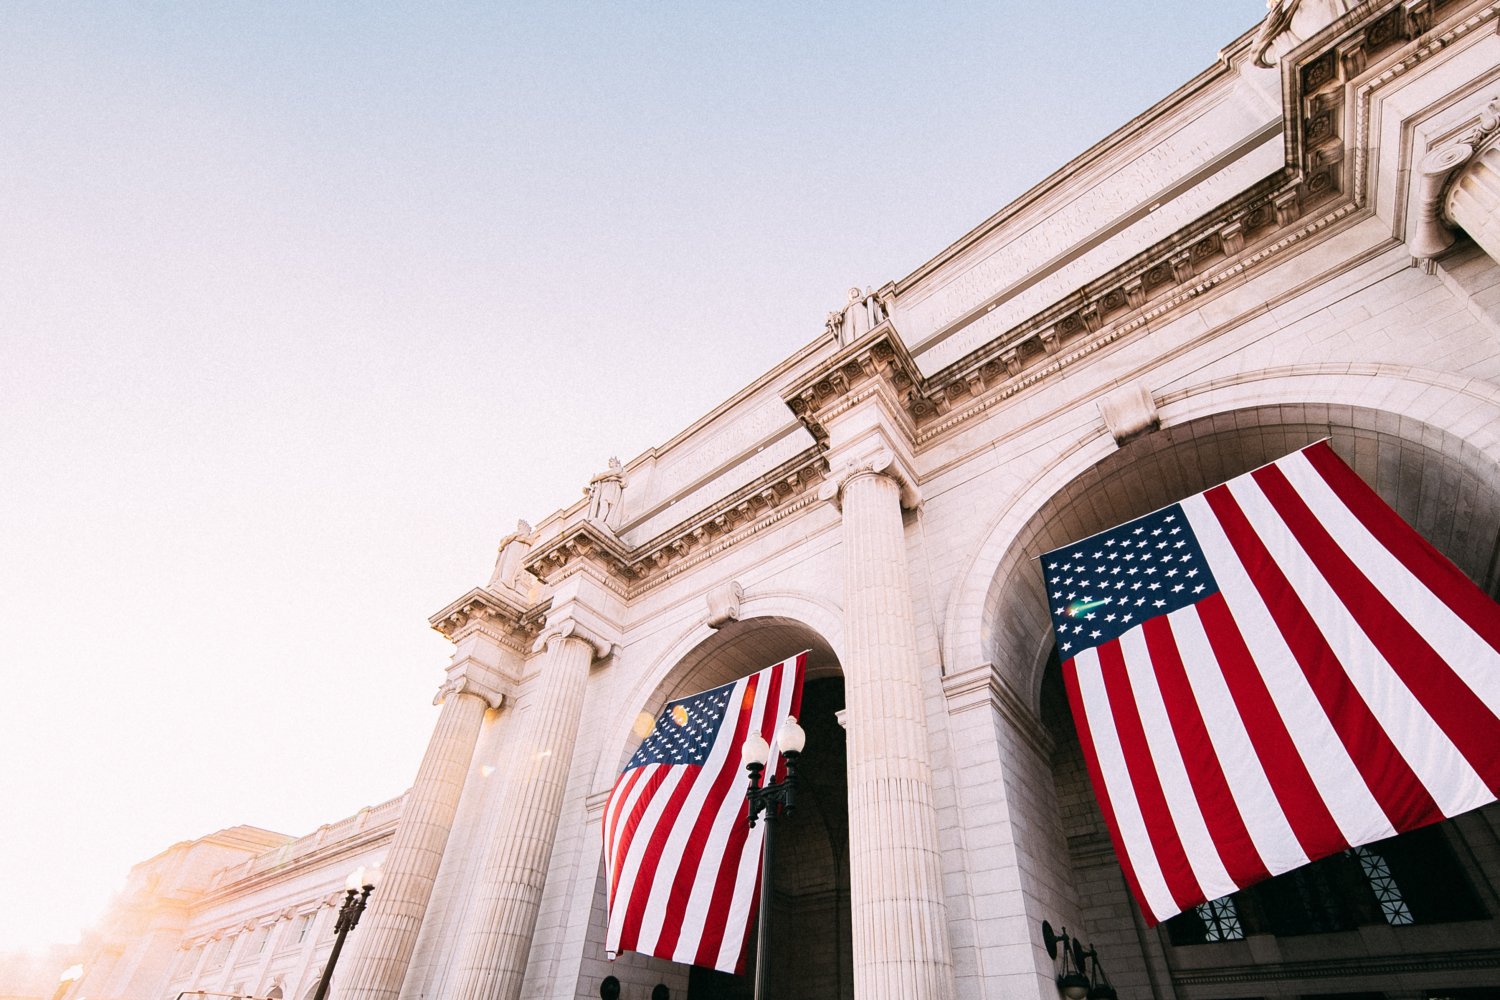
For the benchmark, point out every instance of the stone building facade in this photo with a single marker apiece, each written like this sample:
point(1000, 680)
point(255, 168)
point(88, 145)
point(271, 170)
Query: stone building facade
point(1299, 243)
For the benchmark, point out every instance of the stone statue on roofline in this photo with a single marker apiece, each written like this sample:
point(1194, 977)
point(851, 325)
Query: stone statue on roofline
point(1289, 23)
point(604, 493)
point(861, 314)
point(510, 557)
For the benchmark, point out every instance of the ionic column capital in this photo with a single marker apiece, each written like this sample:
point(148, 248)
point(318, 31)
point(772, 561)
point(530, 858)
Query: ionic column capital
point(1455, 188)
point(882, 462)
point(492, 695)
point(599, 638)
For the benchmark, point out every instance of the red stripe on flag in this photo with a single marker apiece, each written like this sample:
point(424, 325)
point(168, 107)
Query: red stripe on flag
point(1215, 800)
point(1440, 576)
point(1301, 803)
point(1170, 854)
point(654, 775)
point(1399, 792)
point(1101, 790)
point(723, 786)
point(1452, 704)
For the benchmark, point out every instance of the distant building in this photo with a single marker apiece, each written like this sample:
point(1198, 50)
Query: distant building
point(243, 912)
point(1301, 242)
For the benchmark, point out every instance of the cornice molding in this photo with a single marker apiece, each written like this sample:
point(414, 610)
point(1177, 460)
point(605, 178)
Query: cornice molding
point(495, 615)
point(845, 379)
point(1323, 185)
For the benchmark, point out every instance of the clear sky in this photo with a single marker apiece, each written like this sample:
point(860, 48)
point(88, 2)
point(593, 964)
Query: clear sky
point(303, 304)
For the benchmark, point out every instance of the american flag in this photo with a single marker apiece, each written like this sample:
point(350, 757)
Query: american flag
point(682, 864)
point(1270, 672)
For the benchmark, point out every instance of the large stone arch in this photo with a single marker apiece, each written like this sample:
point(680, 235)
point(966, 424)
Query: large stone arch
point(812, 856)
point(1388, 422)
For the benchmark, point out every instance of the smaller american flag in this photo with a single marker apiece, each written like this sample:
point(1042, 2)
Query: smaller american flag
point(681, 862)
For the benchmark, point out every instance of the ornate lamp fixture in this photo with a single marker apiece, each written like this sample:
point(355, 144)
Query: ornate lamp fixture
point(357, 889)
point(1073, 982)
point(776, 798)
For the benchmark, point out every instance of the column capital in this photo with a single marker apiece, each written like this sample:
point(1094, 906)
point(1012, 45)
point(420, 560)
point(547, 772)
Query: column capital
point(577, 622)
point(471, 683)
point(1439, 179)
point(881, 462)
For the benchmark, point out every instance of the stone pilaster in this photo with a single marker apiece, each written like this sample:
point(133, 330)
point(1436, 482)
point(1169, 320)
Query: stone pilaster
point(497, 938)
point(1473, 199)
point(900, 931)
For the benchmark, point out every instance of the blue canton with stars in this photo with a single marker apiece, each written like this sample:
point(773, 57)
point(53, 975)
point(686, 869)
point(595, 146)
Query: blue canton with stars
point(685, 731)
point(1106, 585)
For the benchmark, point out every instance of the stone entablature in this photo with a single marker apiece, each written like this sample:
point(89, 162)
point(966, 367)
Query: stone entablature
point(1311, 191)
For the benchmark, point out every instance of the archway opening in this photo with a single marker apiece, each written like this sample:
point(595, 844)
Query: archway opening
point(1352, 908)
point(811, 954)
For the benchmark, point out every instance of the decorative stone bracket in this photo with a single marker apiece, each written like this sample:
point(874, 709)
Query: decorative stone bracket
point(724, 604)
point(1129, 412)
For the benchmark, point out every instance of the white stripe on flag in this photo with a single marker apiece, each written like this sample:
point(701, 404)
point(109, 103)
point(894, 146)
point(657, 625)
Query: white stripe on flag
point(1128, 818)
point(1359, 816)
point(746, 877)
point(1443, 771)
point(1465, 652)
point(1182, 801)
point(1274, 839)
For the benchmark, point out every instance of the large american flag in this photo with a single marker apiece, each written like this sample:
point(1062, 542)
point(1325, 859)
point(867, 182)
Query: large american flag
point(682, 864)
point(1270, 672)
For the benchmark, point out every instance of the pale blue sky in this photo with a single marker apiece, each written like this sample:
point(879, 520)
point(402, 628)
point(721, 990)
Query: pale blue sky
point(302, 305)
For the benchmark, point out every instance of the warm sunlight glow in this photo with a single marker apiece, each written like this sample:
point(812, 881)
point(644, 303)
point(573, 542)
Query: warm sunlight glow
point(644, 726)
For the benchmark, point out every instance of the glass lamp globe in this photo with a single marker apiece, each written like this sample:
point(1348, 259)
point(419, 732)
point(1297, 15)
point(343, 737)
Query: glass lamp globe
point(755, 751)
point(790, 738)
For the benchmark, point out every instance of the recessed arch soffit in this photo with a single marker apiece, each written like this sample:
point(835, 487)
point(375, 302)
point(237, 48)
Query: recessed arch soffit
point(1447, 487)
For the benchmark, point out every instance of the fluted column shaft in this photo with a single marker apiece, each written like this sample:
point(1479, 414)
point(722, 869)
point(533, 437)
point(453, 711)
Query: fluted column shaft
point(492, 959)
point(900, 932)
point(386, 936)
point(1473, 201)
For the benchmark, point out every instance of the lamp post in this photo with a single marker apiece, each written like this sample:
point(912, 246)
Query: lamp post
point(775, 798)
point(357, 889)
point(1073, 982)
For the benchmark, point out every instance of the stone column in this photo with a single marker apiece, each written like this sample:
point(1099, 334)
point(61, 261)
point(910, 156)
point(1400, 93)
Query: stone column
point(497, 939)
point(1473, 199)
point(900, 931)
point(388, 932)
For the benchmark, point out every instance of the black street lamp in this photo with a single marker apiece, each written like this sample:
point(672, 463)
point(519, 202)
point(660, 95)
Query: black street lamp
point(1073, 982)
point(354, 905)
point(777, 798)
